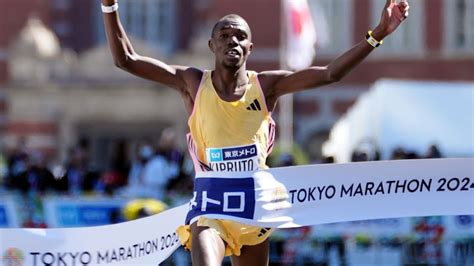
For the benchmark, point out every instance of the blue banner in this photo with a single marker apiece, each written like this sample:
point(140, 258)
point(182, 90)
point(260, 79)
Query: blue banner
point(8, 212)
point(77, 212)
point(86, 215)
point(235, 197)
point(3, 217)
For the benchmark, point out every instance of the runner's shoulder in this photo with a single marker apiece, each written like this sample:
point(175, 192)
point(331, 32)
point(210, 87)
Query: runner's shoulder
point(269, 78)
point(192, 77)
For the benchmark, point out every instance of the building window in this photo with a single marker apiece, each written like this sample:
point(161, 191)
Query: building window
point(153, 21)
point(459, 21)
point(408, 39)
point(332, 20)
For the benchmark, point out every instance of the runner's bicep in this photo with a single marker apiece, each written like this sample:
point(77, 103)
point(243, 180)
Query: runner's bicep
point(308, 78)
point(156, 70)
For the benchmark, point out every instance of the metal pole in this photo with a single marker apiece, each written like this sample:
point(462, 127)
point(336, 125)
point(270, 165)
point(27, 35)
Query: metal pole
point(285, 116)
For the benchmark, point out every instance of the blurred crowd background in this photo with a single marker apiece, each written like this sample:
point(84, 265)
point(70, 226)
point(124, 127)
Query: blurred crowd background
point(73, 128)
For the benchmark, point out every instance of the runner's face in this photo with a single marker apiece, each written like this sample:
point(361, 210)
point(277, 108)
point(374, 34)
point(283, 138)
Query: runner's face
point(231, 43)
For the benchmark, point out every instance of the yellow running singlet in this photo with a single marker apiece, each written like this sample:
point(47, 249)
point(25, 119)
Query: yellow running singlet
point(230, 137)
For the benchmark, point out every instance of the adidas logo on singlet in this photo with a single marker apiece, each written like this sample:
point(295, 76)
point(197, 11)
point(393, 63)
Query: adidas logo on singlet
point(263, 231)
point(255, 106)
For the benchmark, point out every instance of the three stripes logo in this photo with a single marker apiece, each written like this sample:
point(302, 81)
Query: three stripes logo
point(255, 106)
point(263, 231)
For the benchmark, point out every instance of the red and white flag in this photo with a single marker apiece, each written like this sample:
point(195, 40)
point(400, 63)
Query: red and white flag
point(300, 34)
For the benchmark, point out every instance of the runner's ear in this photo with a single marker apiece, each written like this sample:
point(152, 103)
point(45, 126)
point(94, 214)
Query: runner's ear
point(211, 45)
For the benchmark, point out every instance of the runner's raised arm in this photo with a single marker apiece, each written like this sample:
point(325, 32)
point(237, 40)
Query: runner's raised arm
point(184, 79)
point(277, 83)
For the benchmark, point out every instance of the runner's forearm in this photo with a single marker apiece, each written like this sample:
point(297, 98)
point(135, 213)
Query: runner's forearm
point(118, 41)
point(342, 65)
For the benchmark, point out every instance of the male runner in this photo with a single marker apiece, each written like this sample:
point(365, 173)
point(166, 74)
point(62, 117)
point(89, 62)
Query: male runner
point(230, 107)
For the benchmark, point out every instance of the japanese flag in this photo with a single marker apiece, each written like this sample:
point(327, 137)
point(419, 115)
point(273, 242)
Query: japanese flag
point(300, 34)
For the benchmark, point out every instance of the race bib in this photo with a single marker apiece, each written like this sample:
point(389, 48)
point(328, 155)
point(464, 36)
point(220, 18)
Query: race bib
point(233, 159)
point(223, 196)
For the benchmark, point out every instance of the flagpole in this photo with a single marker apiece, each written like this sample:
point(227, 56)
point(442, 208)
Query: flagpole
point(285, 115)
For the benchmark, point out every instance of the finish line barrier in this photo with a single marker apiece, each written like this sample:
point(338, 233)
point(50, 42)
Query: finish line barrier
point(278, 197)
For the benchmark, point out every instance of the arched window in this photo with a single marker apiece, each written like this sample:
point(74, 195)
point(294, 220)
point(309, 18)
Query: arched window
point(153, 21)
point(459, 26)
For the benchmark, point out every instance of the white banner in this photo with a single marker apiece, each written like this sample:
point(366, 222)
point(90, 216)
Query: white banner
point(318, 194)
point(278, 197)
point(146, 241)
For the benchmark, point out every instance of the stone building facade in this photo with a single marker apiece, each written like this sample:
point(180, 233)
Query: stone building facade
point(58, 83)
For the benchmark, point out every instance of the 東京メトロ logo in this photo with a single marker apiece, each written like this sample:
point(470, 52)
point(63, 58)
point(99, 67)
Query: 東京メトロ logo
point(233, 159)
point(223, 196)
point(13, 257)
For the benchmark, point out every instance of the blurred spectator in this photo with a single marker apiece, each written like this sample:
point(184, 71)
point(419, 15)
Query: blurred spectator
point(366, 151)
point(286, 159)
point(168, 149)
point(156, 176)
point(401, 154)
point(328, 159)
point(433, 152)
point(32, 211)
point(181, 179)
point(78, 177)
point(116, 176)
point(296, 245)
point(37, 178)
point(411, 155)
point(17, 163)
point(429, 233)
point(398, 154)
point(358, 156)
point(3, 169)
point(143, 153)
